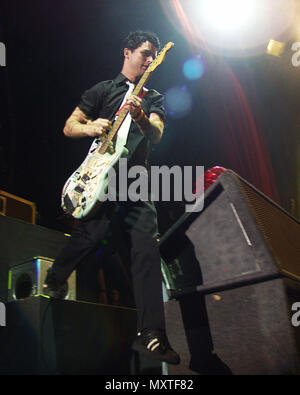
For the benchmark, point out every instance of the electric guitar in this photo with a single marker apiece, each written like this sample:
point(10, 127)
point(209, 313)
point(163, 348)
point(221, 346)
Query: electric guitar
point(85, 190)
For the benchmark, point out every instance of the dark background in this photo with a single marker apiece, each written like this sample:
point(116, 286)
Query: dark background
point(244, 115)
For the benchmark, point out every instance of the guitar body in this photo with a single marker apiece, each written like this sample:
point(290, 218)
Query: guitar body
point(86, 189)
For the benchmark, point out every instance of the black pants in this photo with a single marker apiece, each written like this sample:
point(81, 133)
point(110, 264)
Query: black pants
point(139, 222)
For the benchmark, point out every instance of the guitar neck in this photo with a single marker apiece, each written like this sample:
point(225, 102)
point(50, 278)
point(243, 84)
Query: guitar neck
point(137, 90)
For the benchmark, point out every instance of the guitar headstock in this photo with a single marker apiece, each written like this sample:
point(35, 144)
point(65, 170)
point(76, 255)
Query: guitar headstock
point(160, 57)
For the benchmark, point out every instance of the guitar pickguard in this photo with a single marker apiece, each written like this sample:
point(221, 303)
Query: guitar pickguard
point(87, 186)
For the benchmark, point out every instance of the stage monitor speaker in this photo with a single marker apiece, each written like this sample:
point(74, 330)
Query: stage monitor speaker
point(226, 269)
point(242, 331)
point(20, 240)
point(240, 237)
point(65, 337)
point(27, 279)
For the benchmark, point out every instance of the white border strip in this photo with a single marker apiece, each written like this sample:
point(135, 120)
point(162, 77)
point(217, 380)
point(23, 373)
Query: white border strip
point(241, 225)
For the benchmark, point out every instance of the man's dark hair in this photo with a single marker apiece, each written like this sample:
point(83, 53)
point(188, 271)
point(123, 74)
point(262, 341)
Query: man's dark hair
point(135, 39)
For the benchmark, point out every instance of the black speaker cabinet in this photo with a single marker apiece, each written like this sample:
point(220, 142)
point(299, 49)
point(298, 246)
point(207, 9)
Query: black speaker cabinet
point(242, 331)
point(27, 279)
point(50, 336)
point(232, 273)
point(20, 241)
point(240, 237)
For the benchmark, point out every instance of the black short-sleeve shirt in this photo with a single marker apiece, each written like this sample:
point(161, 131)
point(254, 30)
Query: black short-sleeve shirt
point(103, 100)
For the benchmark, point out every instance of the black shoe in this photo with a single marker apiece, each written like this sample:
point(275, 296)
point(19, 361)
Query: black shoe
point(53, 288)
point(155, 343)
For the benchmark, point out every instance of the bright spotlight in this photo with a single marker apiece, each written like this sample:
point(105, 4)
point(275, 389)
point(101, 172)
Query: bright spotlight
point(229, 15)
point(233, 27)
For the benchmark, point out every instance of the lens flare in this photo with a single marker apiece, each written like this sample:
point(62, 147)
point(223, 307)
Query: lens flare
point(178, 102)
point(193, 68)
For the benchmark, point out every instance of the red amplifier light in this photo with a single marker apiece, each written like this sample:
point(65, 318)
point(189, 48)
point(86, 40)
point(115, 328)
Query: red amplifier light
point(211, 175)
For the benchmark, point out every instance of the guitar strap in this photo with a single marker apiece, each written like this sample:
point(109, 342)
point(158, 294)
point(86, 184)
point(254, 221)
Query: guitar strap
point(124, 128)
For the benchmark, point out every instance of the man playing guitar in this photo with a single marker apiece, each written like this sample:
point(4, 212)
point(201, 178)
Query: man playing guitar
point(92, 117)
